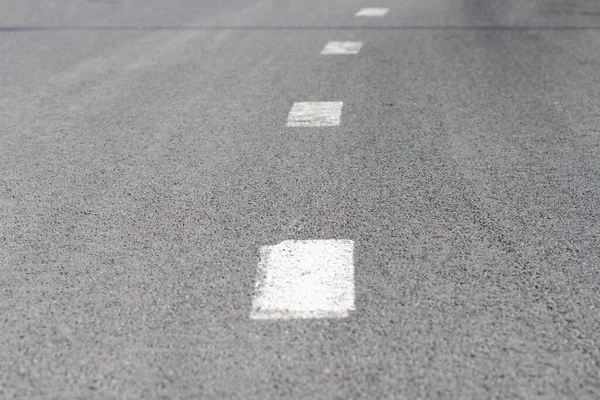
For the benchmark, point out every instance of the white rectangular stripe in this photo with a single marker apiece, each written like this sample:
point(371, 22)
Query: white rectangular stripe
point(372, 12)
point(305, 279)
point(342, 48)
point(318, 113)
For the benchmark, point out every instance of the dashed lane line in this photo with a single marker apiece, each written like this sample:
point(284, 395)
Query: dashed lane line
point(372, 12)
point(301, 279)
point(334, 48)
point(315, 113)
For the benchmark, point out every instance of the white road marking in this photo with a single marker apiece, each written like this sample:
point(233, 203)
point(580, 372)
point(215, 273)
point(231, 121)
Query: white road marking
point(317, 113)
point(305, 279)
point(342, 48)
point(372, 12)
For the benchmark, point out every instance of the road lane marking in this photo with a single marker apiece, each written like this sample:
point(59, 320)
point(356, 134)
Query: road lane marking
point(315, 113)
point(305, 279)
point(342, 48)
point(372, 12)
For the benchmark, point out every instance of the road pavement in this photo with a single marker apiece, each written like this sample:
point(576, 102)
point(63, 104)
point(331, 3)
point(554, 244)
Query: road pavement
point(149, 156)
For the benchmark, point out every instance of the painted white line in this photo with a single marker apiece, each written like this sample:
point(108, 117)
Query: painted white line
point(305, 279)
point(342, 48)
point(372, 12)
point(317, 113)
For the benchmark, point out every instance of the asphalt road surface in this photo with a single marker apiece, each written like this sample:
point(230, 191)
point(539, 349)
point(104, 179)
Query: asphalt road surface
point(153, 169)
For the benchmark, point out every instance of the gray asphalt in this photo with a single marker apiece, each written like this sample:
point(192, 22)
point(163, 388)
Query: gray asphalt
point(145, 158)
